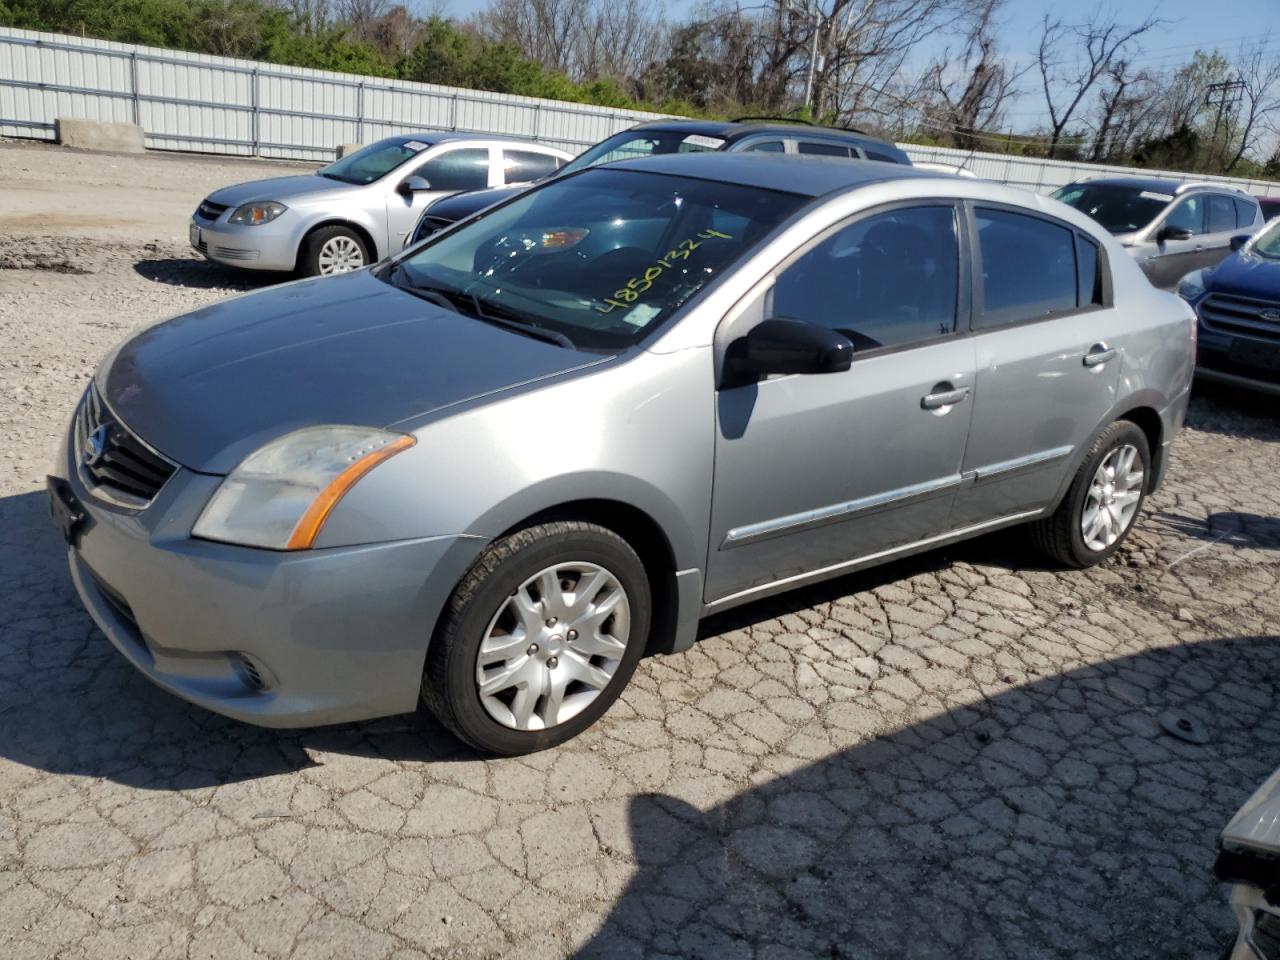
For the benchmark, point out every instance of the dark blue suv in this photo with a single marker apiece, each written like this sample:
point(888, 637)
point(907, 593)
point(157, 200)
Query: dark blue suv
point(1238, 303)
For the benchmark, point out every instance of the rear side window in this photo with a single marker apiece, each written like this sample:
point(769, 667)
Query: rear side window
point(1270, 208)
point(1028, 267)
point(883, 281)
point(1189, 214)
point(523, 166)
point(1222, 214)
point(466, 169)
point(818, 149)
point(1246, 212)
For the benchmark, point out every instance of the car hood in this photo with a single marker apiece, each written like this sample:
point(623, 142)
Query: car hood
point(1247, 275)
point(209, 387)
point(282, 189)
point(462, 205)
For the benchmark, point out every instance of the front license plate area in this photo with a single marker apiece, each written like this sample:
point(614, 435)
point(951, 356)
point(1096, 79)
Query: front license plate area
point(1260, 356)
point(68, 516)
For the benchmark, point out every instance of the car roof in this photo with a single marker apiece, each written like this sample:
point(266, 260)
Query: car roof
point(766, 171)
point(1171, 185)
point(432, 137)
point(737, 129)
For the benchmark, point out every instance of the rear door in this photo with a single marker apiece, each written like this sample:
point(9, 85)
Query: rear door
point(812, 472)
point(1048, 348)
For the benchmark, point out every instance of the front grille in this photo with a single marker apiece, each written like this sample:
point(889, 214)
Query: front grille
point(208, 210)
point(112, 459)
point(1228, 313)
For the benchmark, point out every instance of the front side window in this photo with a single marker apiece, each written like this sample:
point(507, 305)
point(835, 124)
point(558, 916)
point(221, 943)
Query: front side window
point(1270, 209)
point(765, 146)
point(600, 259)
point(524, 166)
point(465, 169)
point(883, 281)
point(1120, 208)
point(374, 161)
point(629, 145)
point(1189, 215)
point(1028, 267)
point(1267, 243)
point(1222, 214)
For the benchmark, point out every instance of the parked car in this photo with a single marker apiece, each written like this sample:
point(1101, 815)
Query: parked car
point(1249, 859)
point(1169, 226)
point(935, 167)
point(494, 471)
point(1270, 207)
point(357, 210)
point(1238, 304)
point(744, 135)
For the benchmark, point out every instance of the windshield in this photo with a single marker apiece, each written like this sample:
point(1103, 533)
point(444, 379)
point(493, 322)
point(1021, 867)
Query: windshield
point(1118, 207)
point(1267, 243)
point(599, 259)
point(641, 143)
point(374, 161)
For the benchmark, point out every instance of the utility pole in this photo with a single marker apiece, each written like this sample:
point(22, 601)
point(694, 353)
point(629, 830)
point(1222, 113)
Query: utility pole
point(813, 54)
point(1225, 95)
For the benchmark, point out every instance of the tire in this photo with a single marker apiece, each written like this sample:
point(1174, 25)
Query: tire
point(332, 250)
point(1062, 536)
point(500, 607)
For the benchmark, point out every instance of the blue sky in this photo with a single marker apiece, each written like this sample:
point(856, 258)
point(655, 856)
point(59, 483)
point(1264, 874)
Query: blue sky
point(1205, 24)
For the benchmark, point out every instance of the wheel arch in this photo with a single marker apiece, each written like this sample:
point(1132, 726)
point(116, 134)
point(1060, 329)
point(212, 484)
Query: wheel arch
point(360, 229)
point(1140, 409)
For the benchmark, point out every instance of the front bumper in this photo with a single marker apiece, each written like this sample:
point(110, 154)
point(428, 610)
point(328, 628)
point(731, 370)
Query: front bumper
point(270, 246)
point(272, 638)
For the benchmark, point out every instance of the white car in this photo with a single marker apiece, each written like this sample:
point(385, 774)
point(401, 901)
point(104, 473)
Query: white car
point(1249, 858)
point(357, 210)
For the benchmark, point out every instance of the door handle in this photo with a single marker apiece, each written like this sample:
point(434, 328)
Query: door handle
point(1099, 354)
point(935, 401)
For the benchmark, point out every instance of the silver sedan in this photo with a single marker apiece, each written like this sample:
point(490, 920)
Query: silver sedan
point(359, 209)
point(494, 472)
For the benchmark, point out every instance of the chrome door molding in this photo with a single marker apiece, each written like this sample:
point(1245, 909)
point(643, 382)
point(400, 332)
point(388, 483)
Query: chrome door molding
point(836, 512)
point(1006, 468)
point(846, 566)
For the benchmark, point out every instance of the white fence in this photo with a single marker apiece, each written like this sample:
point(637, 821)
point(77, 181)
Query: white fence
point(195, 102)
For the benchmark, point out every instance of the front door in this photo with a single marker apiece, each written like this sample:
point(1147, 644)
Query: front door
point(448, 170)
point(1168, 261)
point(1049, 353)
point(815, 472)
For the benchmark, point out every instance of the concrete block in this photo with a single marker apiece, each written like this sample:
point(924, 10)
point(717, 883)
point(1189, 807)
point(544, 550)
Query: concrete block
point(96, 135)
point(346, 148)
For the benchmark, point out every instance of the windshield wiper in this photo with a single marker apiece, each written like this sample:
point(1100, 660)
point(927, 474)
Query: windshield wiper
point(485, 310)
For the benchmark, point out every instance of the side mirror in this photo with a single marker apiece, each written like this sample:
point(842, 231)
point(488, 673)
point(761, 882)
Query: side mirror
point(781, 345)
point(1170, 232)
point(414, 184)
point(1239, 241)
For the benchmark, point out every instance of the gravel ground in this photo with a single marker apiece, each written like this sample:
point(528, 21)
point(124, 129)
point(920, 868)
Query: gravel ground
point(961, 755)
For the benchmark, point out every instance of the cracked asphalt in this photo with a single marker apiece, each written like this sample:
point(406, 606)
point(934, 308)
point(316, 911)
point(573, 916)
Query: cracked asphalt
point(960, 755)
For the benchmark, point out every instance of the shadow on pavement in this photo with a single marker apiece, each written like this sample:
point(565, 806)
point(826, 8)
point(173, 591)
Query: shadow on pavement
point(1056, 819)
point(200, 274)
point(1244, 530)
point(1225, 409)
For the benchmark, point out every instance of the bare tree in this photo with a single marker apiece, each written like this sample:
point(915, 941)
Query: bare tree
point(1066, 79)
point(967, 97)
point(1124, 100)
point(546, 30)
point(1259, 76)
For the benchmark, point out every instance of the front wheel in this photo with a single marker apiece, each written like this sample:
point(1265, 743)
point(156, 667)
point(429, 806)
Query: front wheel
point(331, 250)
point(1103, 501)
point(539, 638)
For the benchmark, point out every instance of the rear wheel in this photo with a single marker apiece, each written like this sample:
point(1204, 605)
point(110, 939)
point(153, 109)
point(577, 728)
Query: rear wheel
point(1103, 501)
point(539, 638)
point(331, 250)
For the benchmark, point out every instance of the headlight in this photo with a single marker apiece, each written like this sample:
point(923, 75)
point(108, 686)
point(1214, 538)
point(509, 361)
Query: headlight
point(281, 494)
point(256, 213)
point(1192, 286)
